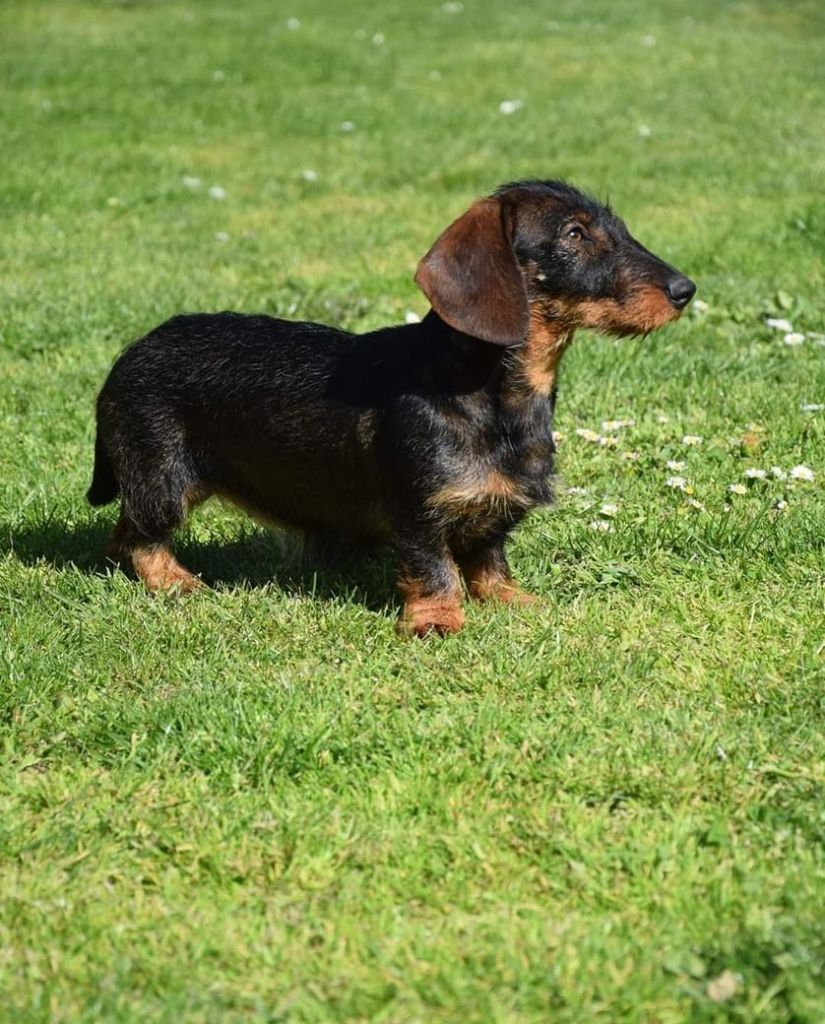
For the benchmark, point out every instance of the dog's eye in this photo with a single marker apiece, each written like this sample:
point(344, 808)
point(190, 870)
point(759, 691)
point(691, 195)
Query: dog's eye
point(574, 233)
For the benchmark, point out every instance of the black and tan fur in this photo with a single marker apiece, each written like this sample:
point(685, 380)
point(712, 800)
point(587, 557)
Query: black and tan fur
point(435, 437)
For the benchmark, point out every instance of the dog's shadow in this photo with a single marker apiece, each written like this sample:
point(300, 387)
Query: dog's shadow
point(256, 558)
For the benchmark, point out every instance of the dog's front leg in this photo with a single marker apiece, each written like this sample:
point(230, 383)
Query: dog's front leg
point(488, 576)
point(429, 584)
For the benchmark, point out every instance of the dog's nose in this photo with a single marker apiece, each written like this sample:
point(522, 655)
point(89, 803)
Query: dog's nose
point(680, 290)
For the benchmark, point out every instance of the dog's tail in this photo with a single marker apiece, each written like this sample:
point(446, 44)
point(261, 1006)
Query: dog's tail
point(104, 482)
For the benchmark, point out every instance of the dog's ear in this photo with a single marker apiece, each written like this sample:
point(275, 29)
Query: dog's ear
point(472, 278)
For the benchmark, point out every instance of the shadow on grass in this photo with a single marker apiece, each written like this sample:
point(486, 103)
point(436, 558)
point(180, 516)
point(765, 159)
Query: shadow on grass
point(255, 559)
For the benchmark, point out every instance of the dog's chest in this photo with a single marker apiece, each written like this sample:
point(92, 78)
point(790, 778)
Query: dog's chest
point(498, 468)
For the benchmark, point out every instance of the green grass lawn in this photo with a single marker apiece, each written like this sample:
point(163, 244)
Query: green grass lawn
point(258, 804)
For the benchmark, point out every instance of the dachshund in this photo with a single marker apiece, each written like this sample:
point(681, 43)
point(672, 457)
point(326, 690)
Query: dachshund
point(435, 436)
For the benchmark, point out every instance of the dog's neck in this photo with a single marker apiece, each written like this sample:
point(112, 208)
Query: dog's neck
point(523, 372)
point(533, 367)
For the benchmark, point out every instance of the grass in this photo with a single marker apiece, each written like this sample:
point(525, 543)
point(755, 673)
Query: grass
point(259, 804)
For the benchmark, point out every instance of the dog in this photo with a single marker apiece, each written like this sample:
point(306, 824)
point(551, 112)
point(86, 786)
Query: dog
point(434, 436)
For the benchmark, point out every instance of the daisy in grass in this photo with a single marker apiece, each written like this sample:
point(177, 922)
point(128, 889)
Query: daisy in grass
point(779, 325)
point(609, 509)
point(692, 440)
point(678, 483)
point(588, 435)
point(611, 425)
point(602, 526)
point(737, 489)
point(675, 465)
point(802, 473)
point(755, 474)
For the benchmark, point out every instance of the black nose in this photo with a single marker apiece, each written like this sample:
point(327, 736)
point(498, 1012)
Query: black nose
point(680, 290)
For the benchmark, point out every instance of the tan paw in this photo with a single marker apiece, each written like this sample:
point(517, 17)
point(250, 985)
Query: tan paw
point(431, 615)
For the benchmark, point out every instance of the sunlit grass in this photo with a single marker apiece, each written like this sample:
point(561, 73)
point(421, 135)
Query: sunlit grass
point(259, 803)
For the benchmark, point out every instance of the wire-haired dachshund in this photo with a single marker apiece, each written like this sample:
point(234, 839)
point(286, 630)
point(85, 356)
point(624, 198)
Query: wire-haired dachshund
point(435, 436)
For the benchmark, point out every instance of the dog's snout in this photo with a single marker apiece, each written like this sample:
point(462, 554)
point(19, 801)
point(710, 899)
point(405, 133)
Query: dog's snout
point(680, 290)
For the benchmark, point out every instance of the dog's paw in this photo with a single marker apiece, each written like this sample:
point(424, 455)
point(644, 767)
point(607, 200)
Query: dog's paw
point(427, 616)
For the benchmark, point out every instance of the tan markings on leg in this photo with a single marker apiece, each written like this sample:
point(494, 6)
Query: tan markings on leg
point(423, 613)
point(488, 583)
point(160, 570)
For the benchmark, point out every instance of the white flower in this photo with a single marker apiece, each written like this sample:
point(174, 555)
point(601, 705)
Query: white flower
point(802, 473)
point(347, 126)
point(700, 306)
point(452, 8)
point(794, 338)
point(630, 456)
point(737, 489)
point(617, 424)
point(218, 75)
point(662, 418)
point(558, 436)
point(510, 106)
point(678, 482)
point(293, 24)
point(691, 439)
point(779, 325)
point(577, 490)
point(675, 465)
point(602, 526)
point(648, 40)
point(780, 505)
point(608, 442)
point(217, 192)
point(812, 406)
point(609, 510)
point(309, 174)
point(643, 131)
point(221, 236)
point(378, 39)
point(696, 504)
point(191, 182)
point(410, 317)
point(778, 472)
point(755, 474)
point(587, 435)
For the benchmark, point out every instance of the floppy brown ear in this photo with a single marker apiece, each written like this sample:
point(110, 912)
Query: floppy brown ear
point(472, 278)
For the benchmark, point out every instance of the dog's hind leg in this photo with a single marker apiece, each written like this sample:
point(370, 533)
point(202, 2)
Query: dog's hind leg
point(154, 503)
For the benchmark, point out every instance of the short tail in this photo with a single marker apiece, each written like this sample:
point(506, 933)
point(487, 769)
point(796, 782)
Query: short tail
point(104, 482)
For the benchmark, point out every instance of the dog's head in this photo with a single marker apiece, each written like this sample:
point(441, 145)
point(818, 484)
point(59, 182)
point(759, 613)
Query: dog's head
point(543, 250)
